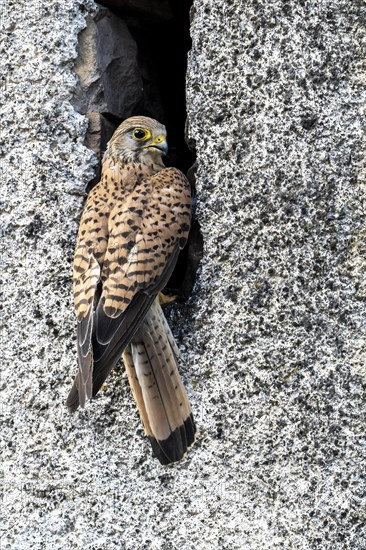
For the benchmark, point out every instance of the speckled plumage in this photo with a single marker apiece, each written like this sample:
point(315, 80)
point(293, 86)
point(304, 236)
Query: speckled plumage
point(134, 223)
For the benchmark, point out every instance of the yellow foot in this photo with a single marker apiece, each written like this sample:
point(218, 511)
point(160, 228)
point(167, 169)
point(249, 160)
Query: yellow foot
point(165, 299)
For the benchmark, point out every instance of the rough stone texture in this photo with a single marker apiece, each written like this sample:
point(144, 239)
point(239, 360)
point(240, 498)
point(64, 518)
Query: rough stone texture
point(273, 338)
point(276, 93)
point(114, 80)
point(107, 67)
point(99, 132)
point(145, 8)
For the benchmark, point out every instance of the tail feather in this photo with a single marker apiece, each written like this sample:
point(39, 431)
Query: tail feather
point(136, 389)
point(167, 451)
point(169, 335)
point(158, 389)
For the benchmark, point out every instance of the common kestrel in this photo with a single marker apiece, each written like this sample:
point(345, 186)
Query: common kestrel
point(135, 222)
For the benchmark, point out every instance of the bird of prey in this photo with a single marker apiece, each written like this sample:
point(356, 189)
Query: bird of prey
point(135, 222)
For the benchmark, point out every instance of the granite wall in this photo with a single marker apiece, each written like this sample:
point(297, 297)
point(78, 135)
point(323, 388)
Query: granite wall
point(273, 335)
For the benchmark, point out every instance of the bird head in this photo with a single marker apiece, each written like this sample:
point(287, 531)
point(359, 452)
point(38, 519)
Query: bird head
point(139, 139)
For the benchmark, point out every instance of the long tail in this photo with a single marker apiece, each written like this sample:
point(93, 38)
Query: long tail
point(151, 364)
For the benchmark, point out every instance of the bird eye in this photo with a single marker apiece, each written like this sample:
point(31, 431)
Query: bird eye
point(141, 134)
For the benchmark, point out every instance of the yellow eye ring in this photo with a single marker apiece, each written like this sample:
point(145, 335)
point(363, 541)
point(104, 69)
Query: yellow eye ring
point(141, 134)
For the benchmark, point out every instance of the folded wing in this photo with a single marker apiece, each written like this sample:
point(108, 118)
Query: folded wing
point(130, 247)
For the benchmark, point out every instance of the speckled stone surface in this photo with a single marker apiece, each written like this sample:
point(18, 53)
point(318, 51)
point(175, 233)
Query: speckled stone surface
point(273, 338)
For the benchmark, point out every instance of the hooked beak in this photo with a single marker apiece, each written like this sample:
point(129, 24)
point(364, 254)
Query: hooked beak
point(159, 143)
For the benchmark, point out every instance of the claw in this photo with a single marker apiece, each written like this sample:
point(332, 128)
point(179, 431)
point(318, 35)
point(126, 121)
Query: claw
point(167, 299)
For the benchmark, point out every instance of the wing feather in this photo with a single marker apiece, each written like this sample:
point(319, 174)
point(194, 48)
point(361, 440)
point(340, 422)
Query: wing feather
point(89, 254)
point(120, 330)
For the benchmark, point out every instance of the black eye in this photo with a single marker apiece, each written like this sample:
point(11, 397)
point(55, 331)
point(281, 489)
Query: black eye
point(139, 133)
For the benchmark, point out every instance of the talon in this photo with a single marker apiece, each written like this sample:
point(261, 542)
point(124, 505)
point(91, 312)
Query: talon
point(167, 299)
